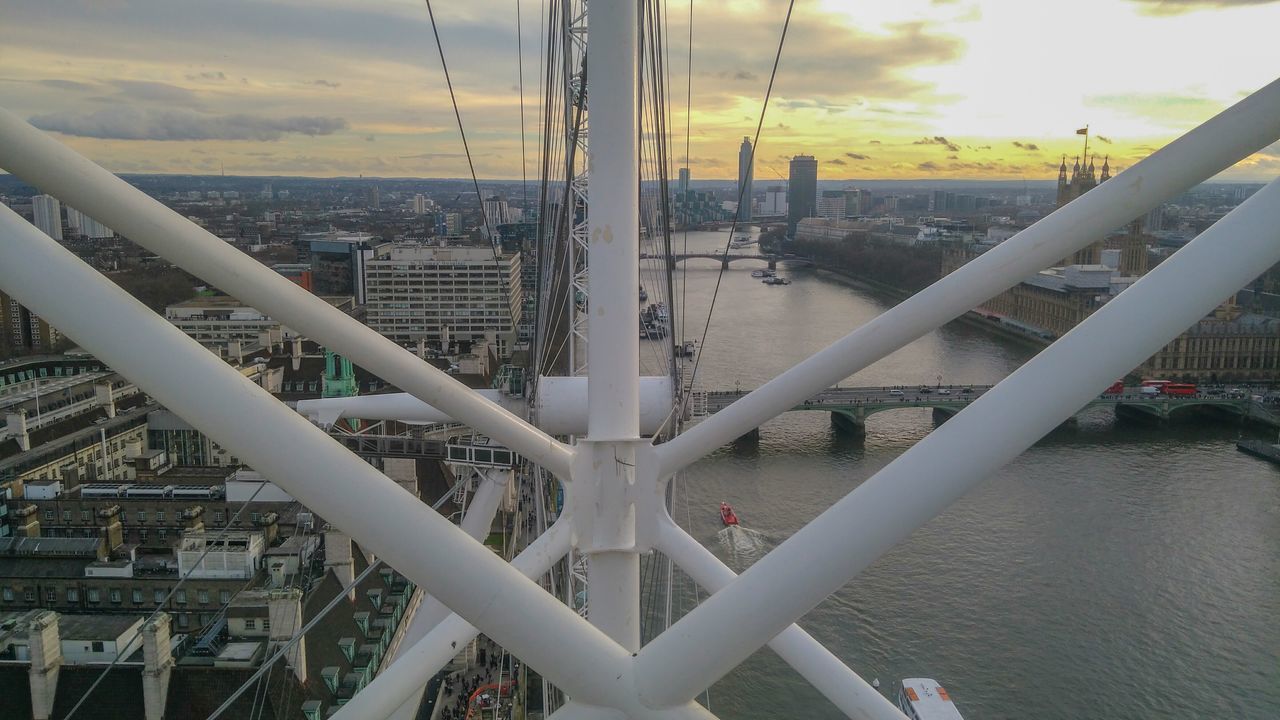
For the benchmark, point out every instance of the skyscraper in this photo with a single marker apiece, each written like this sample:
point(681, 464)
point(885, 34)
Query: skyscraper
point(802, 197)
point(683, 185)
point(47, 212)
point(744, 181)
point(82, 224)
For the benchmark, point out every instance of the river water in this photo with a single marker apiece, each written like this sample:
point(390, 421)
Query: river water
point(1118, 569)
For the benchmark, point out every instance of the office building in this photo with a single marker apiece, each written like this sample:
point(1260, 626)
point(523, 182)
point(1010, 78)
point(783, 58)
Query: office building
point(419, 205)
point(440, 294)
point(775, 201)
point(217, 321)
point(22, 332)
point(745, 167)
point(337, 261)
point(802, 197)
point(683, 184)
point(831, 206)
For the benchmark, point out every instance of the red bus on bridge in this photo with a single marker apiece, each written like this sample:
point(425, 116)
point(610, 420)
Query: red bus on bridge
point(1179, 389)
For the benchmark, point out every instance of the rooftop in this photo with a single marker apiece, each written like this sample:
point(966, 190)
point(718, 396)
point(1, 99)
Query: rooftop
point(104, 626)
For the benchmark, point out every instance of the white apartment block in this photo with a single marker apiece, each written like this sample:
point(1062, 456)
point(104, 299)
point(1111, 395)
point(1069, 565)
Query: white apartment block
point(443, 293)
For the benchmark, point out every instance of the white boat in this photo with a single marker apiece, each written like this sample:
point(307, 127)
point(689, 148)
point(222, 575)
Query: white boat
point(925, 699)
point(762, 273)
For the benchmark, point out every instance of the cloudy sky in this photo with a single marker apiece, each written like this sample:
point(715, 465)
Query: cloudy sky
point(990, 89)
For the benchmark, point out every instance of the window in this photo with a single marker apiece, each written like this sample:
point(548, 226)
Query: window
point(266, 623)
point(66, 516)
point(114, 595)
point(159, 516)
point(137, 595)
point(51, 596)
point(162, 533)
point(224, 596)
point(219, 516)
point(85, 515)
point(202, 596)
point(8, 594)
point(29, 596)
point(180, 597)
point(250, 624)
point(142, 516)
point(48, 514)
point(95, 595)
point(73, 595)
point(158, 596)
point(184, 620)
point(98, 646)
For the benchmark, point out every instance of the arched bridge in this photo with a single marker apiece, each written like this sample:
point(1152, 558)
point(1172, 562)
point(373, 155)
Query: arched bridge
point(852, 406)
point(726, 259)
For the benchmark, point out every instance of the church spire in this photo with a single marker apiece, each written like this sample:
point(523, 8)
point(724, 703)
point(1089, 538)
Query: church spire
point(1106, 168)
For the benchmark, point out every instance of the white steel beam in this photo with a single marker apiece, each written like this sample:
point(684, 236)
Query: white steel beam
point(582, 711)
point(562, 406)
point(613, 257)
point(955, 457)
point(1233, 134)
point(831, 677)
point(237, 414)
point(56, 169)
point(476, 523)
point(395, 687)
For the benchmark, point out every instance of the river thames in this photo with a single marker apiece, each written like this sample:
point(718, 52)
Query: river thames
point(1118, 569)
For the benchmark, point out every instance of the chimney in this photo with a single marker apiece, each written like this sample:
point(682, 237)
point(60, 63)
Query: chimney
point(157, 661)
point(193, 519)
point(422, 348)
point(46, 661)
point(295, 352)
point(269, 523)
point(17, 423)
point(112, 532)
point(284, 610)
point(27, 521)
point(338, 557)
point(105, 398)
point(235, 352)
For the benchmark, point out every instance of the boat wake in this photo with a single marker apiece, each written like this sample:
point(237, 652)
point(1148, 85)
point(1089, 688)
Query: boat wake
point(741, 542)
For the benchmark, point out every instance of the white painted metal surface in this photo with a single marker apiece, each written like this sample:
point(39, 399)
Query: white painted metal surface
point(613, 389)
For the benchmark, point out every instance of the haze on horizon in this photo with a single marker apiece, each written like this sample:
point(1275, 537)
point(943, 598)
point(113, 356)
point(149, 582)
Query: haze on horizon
point(910, 89)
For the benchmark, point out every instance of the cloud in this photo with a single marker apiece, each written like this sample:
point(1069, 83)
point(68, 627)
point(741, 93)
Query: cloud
point(837, 161)
point(1030, 147)
point(215, 76)
point(67, 85)
point(369, 138)
point(874, 142)
point(938, 140)
point(1102, 138)
point(325, 83)
point(1176, 7)
point(929, 166)
point(953, 157)
point(857, 156)
point(158, 92)
point(783, 126)
point(133, 123)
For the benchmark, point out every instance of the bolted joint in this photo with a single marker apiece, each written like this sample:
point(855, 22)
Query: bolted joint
point(602, 500)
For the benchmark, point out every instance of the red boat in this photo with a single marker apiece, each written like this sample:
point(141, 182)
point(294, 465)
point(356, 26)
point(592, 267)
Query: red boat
point(727, 514)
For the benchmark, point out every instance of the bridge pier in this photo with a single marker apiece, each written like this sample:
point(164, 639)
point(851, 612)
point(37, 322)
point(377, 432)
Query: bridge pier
point(1149, 411)
point(851, 421)
point(773, 264)
point(943, 414)
point(724, 263)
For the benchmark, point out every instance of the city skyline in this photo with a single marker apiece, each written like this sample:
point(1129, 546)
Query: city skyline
point(919, 90)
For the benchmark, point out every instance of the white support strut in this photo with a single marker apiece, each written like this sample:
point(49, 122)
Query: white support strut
point(324, 476)
point(476, 523)
point(1003, 422)
point(606, 462)
point(405, 678)
point(56, 169)
point(1248, 126)
point(831, 677)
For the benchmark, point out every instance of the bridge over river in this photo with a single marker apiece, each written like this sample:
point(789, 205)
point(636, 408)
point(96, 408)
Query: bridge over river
point(850, 407)
point(725, 260)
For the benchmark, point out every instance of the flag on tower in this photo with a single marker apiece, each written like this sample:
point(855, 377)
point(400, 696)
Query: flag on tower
point(1083, 131)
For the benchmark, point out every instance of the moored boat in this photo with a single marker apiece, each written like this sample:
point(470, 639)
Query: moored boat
point(925, 699)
